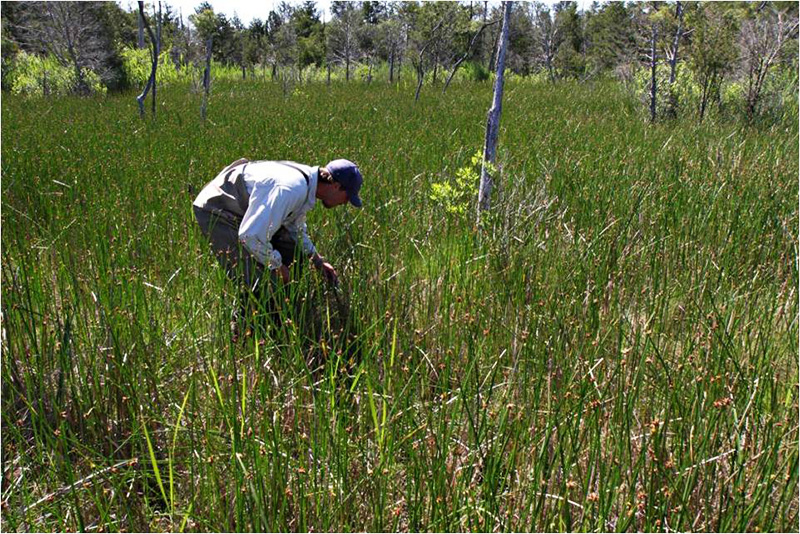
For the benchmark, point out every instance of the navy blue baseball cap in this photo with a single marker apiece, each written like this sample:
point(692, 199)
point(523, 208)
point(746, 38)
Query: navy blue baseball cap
point(347, 174)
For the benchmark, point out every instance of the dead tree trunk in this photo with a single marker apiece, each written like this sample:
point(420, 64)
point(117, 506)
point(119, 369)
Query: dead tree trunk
point(653, 64)
point(391, 65)
point(400, 59)
point(399, 66)
point(76, 59)
point(420, 77)
point(206, 77)
point(420, 63)
point(495, 48)
point(157, 53)
point(483, 39)
point(435, 65)
point(140, 41)
point(763, 46)
point(673, 60)
point(673, 63)
point(493, 119)
point(707, 84)
point(151, 81)
point(82, 85)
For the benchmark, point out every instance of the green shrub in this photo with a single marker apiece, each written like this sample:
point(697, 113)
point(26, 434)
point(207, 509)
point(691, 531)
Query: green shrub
point(457, 195)
point(42, 75)
point(136, 66)
point(779, 101)
point(733, 95)
point(686, 91)
point(474, 72)
point(361, 72)
point(535, 77)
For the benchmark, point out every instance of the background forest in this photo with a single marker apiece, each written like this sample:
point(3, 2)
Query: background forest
point(612, 346)
point(729, 58)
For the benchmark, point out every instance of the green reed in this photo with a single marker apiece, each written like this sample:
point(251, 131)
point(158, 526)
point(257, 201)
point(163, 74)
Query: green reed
point(614, 349)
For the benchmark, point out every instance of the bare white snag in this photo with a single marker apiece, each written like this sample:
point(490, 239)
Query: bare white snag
point(762, 41)
point(466, 54)
point(140, 40)
point(151, 81)
point(673, 61)
point(493, 119)
point(653, 66)
point(206, 77)
point(419, 64)
point(71, 32)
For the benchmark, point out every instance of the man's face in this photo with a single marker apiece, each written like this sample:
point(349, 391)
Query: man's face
point(334, 196)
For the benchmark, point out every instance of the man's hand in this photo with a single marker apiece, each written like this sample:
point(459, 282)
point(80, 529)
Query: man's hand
point(327, 270)
point(329, 273)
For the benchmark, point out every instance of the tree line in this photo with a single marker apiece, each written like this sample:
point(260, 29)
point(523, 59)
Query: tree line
point(679, 56)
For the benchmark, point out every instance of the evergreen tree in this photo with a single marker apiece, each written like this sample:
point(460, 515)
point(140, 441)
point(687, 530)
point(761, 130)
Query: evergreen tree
point(712, 51)
point(569, 59)
point(308, 29)
point(609, 37)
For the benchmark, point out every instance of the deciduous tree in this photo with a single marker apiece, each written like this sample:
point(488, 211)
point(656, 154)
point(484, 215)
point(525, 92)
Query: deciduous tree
point(764, 35)
point(70, 31)
point(713, 51)
point(342, 34)
point(547, 37)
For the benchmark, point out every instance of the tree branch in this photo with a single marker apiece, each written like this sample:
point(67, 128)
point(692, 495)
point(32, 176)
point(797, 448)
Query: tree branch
point(466, 54)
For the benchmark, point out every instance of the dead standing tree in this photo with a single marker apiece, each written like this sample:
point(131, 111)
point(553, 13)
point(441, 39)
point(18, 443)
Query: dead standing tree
point(419, 63)
point(72, 33)
point(547, 37)
point(140, 32)
point(672, 58)
point(206, 77)
point(342, 38)
point(466, 54)
point(653, 66)
point(154, 51)
point(493, 119)
point(762, 40)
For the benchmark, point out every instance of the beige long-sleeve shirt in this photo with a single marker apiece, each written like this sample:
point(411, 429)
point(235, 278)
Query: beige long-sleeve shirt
point(265, 195)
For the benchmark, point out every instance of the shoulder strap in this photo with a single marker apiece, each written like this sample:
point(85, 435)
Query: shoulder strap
point(295, 167)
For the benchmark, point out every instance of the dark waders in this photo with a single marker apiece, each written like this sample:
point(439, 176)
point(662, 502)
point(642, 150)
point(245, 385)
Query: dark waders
point(222, 231)
point(259, 287)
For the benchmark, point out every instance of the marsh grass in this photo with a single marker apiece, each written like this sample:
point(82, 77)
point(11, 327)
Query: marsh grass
point(615, 349)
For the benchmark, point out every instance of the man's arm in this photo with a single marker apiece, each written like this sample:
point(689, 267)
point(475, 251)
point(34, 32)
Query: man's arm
point(262, 219)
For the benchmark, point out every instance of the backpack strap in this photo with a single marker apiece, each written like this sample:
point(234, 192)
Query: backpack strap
point(295, 167)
